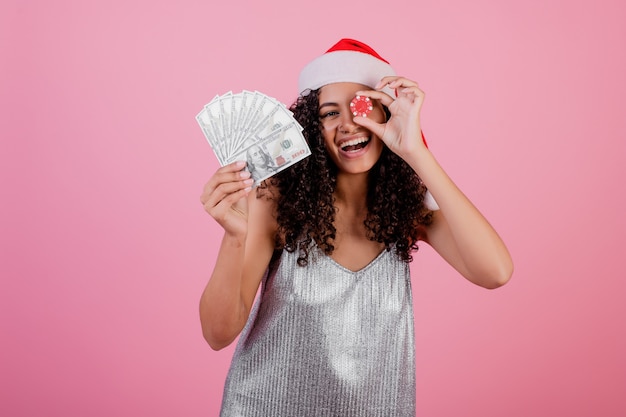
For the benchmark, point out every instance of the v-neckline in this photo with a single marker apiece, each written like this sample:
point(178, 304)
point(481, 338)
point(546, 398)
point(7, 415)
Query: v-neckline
point(350, 271)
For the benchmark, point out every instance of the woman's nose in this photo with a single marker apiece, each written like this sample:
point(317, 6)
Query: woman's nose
point(346, 124)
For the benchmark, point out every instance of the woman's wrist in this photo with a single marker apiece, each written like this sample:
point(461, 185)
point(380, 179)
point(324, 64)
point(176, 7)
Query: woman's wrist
point(420, 160)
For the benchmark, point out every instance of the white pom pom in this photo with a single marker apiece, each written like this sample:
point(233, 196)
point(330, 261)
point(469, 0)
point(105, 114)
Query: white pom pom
point(429, 201)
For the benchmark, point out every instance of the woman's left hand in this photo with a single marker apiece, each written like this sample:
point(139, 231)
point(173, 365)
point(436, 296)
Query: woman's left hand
point(402, 133)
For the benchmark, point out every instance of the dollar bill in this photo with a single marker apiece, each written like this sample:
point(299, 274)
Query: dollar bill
point(254, 127)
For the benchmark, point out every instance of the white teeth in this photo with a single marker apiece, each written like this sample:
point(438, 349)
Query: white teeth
point(353, 142)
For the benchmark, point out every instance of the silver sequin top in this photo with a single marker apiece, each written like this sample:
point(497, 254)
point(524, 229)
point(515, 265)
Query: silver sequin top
point(326, 341)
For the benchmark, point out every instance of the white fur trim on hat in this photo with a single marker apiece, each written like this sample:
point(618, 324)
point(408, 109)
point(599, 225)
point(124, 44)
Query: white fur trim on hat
point(344, 66)
point(429, 202)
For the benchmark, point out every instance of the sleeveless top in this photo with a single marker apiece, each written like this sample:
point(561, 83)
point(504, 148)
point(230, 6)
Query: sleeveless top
point(323, 340)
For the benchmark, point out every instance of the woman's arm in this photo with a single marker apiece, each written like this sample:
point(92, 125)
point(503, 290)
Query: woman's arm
point(459, 232)
point(244, 254)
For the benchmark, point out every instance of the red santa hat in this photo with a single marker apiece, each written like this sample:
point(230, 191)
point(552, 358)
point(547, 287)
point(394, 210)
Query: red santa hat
point(347, 61)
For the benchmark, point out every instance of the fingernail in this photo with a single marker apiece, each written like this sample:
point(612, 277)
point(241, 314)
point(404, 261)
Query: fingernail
point(249, 181)
point(244, 174)
point(240, 164)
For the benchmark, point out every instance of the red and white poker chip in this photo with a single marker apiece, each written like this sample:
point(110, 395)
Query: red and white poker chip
point(361, 106)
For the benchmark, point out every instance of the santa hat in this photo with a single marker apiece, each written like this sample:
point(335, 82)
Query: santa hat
point(347, 61)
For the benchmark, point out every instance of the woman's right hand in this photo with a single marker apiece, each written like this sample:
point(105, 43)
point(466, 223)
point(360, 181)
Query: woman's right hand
point(224, 199)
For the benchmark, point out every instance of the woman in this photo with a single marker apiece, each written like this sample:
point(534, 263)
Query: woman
point(330, 239)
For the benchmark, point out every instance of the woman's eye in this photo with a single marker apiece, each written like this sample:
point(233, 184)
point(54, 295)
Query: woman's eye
point(329, 114)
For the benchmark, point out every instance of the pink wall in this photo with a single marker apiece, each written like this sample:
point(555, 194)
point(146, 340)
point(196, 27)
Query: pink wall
point(105, 247)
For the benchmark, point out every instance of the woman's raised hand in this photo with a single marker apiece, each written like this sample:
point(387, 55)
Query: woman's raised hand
point(402, 133)
point(224, 199)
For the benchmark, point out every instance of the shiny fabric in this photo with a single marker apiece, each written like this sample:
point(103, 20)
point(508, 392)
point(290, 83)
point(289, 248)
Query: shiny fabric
point(325, 341)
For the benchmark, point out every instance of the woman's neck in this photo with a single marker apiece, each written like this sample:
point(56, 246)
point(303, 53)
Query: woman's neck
point(351, 191)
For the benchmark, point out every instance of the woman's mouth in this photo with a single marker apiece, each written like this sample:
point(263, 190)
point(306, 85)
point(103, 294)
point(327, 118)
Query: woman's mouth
point(354, 145)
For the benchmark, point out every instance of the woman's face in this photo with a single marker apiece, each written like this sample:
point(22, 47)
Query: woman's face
point(352, 148)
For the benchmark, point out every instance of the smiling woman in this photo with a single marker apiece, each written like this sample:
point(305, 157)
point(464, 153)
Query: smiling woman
point(329, 240)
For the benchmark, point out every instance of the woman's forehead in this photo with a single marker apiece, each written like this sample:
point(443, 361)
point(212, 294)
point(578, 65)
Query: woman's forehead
point(340, 89)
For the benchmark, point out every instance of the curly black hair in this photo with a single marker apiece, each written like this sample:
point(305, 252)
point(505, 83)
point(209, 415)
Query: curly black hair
point(305, 203)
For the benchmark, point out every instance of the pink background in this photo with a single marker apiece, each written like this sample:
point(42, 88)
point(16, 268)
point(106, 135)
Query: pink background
point(105, 248)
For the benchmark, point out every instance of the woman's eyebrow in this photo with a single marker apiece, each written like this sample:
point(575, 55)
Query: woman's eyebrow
point(327, 104)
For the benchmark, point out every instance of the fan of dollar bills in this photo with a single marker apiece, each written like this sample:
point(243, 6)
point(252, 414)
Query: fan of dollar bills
point(254, 127)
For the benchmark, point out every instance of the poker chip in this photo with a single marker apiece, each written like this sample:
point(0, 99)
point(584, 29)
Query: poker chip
point(361, 106)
